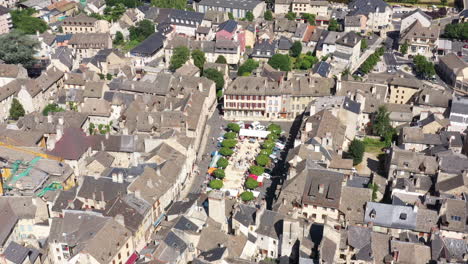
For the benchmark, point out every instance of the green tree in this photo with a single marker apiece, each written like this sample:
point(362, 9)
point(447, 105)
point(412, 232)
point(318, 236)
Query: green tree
point(220, 174)
point(109, 76)
point(119, 38)
point(272, 136)
point(179, 57)
point(215, 76)
point(17, 48)
point(404, 48)
point(233, 127)
point(51, 108)
point(275, 129)
point(24, 21)
point(290, 16)
point(364, 44)
point(222, 163)
point(310, 18)
point(114, 12)
point(296, 49)
point(262, 160)
point(216, 184)
point(199, 59)
point(251, 183)
point(280, 62)
point(443, 2)
point(91, 128)
point(423, 67)
point(257, 170)
point(249, 16)
point(229, 143)
point(356, 151)
point(268, 15)
point(375, 188)
point(381, 125)
point(247, 196)
point(16, 109)
point(221, 59)
point(231, 16)
point(247, 67)
point(230, 135)
point(457, 31)
point(333, 25)
point(268, 144)
point(176, 4)
point(226, 151)
point(219, 94)
point(143, 30)
point(267, 152)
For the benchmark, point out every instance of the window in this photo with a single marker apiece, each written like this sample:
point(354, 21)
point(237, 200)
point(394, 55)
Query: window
point(126, 245)
point(455, 218)
point(403, 216)
point(57, 249)
point(120, 256)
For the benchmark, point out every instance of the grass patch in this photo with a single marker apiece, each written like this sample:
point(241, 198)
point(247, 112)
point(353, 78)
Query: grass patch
point(373, 145)
point(129, 45)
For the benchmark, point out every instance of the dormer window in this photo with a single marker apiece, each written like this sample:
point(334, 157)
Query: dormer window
point(403, 216)
point(372, 214)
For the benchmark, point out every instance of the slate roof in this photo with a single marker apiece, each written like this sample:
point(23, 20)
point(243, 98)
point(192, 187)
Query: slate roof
point(102, 189)
point(284, 43)
point(271, 224)
point(8, 220)
point(64, 55)
point(392, 216)
point(17, 254)
point(240, 4)
point(229, 26)
point(185, 18)
point(150, 45)
point(133, 217)
point(350, 39)
point(245, 215)
point(365, 7)
point(323, 188)
point(322, 68)
point(459, 105)
point(353, 203)
point(73, 144)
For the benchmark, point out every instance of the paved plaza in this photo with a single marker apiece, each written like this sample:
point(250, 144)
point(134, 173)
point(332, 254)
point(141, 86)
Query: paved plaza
point(244, 156)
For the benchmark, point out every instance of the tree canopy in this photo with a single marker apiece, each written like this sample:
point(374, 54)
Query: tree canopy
point(249, 16)
point(179, 57)
point(333, 25)
point(26, 23)
point(296, 49)
point(372, 60)
point(222, 163)
point(216, 184)
point(356, 151)
point(143, 30)
point(290, 16)
point(17, 48)
point(233, 127)
point(305, 62)
point(215, 76)
point(456, 31)
point(199, 59)
point(423, 67)
point(176, 4)
point(247, 196)
point(225, 151)
point(257, 170)
point(230, 135)
point(280, 62)
point(16, 109)
point(262, 160)
point(381, 125)
point(229, 143)
point(364, 44)
point(268, 15)
point(126, 3)
point(247, 67)
point(52, 108)
point(119, 38)
point(219, 173)
point(275, 129)
point(404, 48)
point(251, 184)
point(310, 18)
point(221, 59)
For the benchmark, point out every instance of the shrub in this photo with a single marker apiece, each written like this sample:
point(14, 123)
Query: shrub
point(356, 151)
point(233, 127)
point(257, 170)
point(219, 173)
point(229, 143)
point(51, 108)
point(222, 163)
point(251, 183)
point(216, 184)
point(226, 151)
point(230, 135)
point(247, 196)
point(262, 160)
point(16, 109)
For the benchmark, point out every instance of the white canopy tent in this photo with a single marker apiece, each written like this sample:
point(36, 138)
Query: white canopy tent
point(253, 133)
